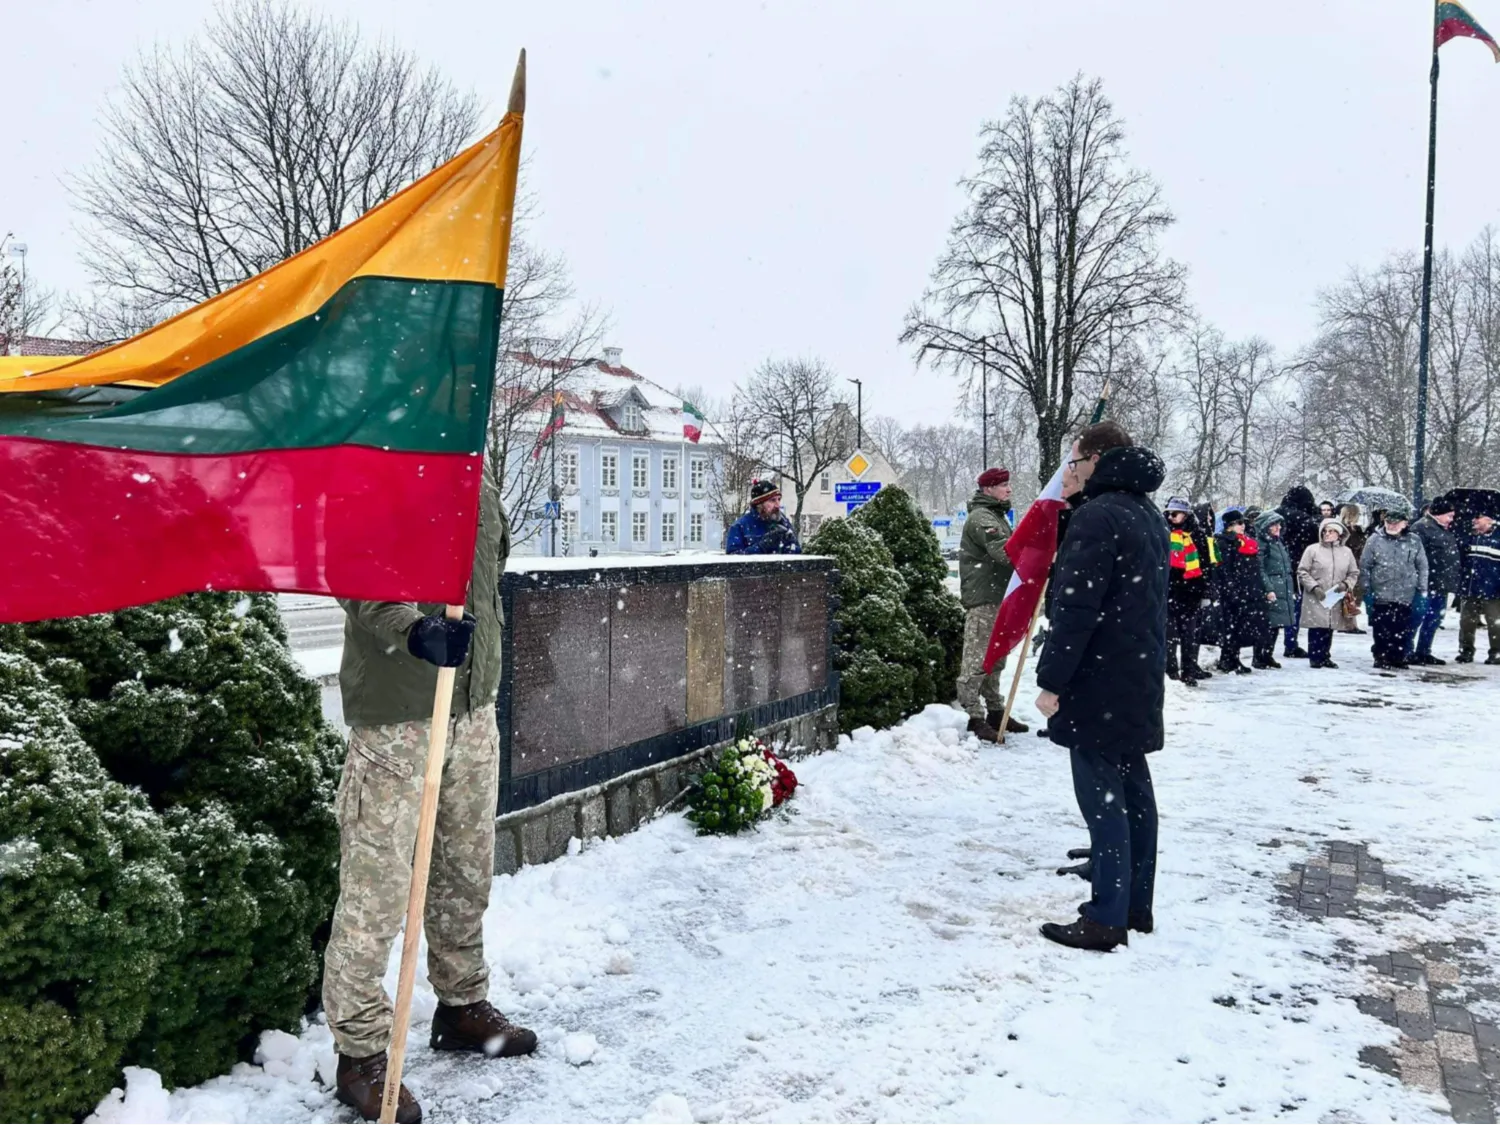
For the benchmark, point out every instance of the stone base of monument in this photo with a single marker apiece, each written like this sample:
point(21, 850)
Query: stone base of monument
point(543, 832)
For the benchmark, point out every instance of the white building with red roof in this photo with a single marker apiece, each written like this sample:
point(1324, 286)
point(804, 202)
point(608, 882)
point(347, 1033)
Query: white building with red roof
point(629, 480)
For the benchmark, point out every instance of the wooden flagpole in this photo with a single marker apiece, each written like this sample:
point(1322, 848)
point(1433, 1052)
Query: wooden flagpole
point(432, 783)
point(1015, 683)
point(416, 901)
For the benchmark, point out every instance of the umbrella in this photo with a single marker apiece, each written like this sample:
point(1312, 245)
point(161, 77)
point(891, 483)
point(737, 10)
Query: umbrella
point(1374, 499)
point(1470, 502)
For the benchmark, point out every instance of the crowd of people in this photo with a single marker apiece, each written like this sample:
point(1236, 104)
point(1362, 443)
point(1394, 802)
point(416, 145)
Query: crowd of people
point(1316, 568)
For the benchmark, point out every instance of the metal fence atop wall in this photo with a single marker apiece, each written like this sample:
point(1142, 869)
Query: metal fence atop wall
point(613, 667)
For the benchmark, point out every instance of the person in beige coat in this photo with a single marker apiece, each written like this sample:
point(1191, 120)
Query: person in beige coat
point(1326, 566)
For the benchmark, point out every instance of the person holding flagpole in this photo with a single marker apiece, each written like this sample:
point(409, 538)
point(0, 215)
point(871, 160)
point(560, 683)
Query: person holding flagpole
point(1103, 673)
point(984, 574)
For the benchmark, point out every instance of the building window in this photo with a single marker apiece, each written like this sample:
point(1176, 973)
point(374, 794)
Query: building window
point(695, 527)
point(630, 417)
point(567, 468)
point(609, 527)
point(697, 473)
point(669, 473)
point(668, 528)
point(640, 471)
point(639, 530)
point(570, 529)
point(813, 523)
point(609, 470)
point(825, 482)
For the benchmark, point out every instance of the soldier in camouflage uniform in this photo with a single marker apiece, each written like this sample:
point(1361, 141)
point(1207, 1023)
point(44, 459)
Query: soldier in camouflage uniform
point(984, 571)
point(392, 652)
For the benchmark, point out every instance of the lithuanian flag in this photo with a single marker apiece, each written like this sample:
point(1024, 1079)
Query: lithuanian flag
point(318, 428)
point(1454, 20)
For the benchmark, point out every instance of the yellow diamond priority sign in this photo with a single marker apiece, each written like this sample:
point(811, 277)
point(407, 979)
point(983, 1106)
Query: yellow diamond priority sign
point(858, 465)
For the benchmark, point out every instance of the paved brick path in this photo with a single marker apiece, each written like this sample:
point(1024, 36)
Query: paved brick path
point(1425, 991)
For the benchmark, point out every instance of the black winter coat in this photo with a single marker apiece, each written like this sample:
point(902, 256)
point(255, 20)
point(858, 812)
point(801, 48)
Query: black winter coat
point(1241, 592)
point(1300, 521)
point(1106, 656)
point(1183, 592)
point(1444, 564)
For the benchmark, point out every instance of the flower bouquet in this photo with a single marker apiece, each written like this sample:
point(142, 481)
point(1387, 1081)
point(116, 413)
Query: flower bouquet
point(739, 787)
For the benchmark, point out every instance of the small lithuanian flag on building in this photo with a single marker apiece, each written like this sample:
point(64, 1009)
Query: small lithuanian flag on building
point(318, 428)
point(1454, 20)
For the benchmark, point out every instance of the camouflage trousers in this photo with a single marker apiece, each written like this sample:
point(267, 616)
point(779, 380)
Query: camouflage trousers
point(978, 693)
point(378, 804)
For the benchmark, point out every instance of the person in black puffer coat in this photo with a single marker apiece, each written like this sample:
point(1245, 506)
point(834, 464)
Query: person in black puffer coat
point(1242, 593)
point(1186, 589)
point(1103, 676)
point(1208, 615)
point(1299, 532)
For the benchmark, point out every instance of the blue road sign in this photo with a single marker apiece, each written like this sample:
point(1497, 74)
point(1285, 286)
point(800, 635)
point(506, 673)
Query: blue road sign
point(846, 492)
point(851, 505)
point(942, 523)
point(552, 510)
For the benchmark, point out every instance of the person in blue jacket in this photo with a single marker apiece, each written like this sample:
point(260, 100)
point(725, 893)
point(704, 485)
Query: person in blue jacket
point(763, 530)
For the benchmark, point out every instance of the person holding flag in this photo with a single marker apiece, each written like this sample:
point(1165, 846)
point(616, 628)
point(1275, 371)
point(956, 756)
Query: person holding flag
point(1103, 673)
point(984, 575)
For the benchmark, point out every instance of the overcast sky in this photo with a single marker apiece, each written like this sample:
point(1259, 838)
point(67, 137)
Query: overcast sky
point(739, 180)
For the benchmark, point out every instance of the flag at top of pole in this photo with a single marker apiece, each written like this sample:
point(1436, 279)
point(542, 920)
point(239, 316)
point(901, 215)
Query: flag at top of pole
point(1451, 20)
point(1454, 20)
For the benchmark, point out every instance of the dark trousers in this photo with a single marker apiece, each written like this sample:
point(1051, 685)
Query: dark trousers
point(1319, 646)
point(1119, 804)
point(1182, 636)
point(1389, 622)
point(1291, 630)
point(1426, 616)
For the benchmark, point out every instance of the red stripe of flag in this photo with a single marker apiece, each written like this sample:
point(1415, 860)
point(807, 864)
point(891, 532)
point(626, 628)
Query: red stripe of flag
point(1031, 548)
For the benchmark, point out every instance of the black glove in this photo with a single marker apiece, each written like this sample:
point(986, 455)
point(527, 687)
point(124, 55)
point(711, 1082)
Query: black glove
point(773, 541)
point(440, 641)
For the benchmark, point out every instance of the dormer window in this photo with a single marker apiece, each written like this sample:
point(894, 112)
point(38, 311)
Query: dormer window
point(631, 417)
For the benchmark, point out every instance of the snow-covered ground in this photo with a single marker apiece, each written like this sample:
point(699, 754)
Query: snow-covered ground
point(873, 953)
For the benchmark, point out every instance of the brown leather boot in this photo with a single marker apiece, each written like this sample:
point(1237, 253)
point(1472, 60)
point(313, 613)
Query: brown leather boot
point(361, 1084)
point(1013, 725)
point(479, 1027)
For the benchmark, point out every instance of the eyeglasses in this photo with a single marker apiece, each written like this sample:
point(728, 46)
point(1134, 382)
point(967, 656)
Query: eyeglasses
point(1080, 460)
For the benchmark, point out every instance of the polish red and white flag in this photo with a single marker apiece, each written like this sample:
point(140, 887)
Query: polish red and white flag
point(1031, 548)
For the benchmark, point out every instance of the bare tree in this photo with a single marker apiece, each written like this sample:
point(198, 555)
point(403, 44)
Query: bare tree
point(940, 466)
point(1252, 376)
point(26, 308)
point(1203, 376)
point(887, 436)
point(798, 420)
point(270, 131)
point(1055, 254)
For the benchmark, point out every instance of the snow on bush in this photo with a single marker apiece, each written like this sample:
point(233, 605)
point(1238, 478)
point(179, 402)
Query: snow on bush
point(198, 702)
point(908, 535)
point(89, 909)
point(879, 652)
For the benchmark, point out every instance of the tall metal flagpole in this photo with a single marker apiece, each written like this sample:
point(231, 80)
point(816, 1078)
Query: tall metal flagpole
point(1425, 340)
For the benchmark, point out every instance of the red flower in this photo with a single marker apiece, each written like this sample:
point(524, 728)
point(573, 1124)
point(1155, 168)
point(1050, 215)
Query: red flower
point(785, 782)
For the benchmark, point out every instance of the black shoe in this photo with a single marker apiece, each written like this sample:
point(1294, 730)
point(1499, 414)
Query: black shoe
point(1464, 658)
point(1298, 653)
point(1325, 664)
point(1086, 934)
point(1358, 632)
point(1428, 660)
point(1200, 673)
point(1173, 674)
point(1084, 870)
point(982, 730)
point(1492, 658)
point(1268, 663)
point(1140, 923)
point(1241, 670)
point(1190, 681)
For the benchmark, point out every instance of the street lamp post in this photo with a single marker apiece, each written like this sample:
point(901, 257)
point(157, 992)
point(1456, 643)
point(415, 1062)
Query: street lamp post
point(859, 413)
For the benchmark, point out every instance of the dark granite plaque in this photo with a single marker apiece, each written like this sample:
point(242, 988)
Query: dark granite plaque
point(804, 635)
point(648, 661)
point(752, 642)
point(560, 707)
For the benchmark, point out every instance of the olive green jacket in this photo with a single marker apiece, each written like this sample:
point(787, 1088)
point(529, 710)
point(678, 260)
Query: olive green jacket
point(382, 683)
point(984, 569)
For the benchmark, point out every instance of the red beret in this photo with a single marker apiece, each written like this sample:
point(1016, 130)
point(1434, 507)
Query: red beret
point(991, 477)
